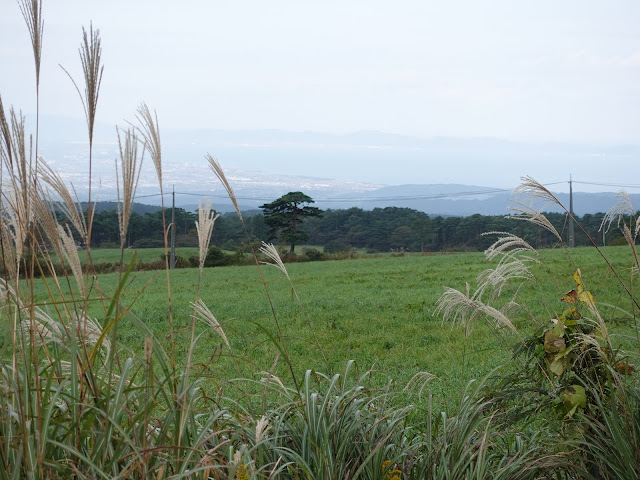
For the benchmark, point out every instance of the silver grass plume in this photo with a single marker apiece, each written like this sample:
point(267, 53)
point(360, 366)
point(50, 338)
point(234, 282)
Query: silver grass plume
point(529, 214)
point(538, 198)
point(12, 231)
point(217, 169)
point(271, 252)
point(88, 331)
point(616, 213)
point(262, 426)
point(6, 144)
point(17, 167)
point(457, 307)
point(507, 243)
point(130, 167)
point(47, 329)
point(70, 253)
point(204, 314)
point(8, 296)
point(496, 279)
point(150, 132)
point(68, 202)
point(204, 227)
point(513, 264)
point(536, 193)
point(46, 219)
point(17, 188)
point(90, 58)
point(32, 13)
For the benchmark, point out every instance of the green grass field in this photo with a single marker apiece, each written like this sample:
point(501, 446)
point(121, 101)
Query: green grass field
point(377, 311)
point(112, 255)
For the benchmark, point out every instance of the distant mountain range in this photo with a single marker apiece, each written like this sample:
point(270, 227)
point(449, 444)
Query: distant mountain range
point(446, 200)
point(251, 153)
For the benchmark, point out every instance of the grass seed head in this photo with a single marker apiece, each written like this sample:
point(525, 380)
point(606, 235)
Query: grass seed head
point(204, 227)
point(32, 14)
point(150, 131)
point(130, 168)
point(217, 169)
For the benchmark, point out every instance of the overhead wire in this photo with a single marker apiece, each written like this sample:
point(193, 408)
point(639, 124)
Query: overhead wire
point(433, 196)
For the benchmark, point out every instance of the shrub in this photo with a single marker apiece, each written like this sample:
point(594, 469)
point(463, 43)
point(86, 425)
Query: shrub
point(216, 257)
point(313, 254)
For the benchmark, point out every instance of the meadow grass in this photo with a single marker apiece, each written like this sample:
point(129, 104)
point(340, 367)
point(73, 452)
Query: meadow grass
point(377, 311)
point(145, 255)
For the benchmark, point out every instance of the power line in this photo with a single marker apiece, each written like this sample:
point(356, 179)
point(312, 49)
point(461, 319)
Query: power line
point(620, 185)
point(399, 198)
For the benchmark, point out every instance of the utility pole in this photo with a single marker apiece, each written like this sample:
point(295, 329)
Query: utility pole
point(172, 261)
point(572, 241)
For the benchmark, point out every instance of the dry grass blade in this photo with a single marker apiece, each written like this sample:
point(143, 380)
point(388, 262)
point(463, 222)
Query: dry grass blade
point(130, 167)
point(32, 13)
point(217, 169)
point(270, 251)
point(150, 132)
point(204, 314)
point(204, 226)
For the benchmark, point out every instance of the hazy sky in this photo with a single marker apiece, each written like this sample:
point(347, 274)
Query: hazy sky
point(547, 70)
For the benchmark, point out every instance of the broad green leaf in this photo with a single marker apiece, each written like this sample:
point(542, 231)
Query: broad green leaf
point(558, 366)
point(574, 397)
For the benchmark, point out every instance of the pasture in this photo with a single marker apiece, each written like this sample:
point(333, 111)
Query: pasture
point(377, 311)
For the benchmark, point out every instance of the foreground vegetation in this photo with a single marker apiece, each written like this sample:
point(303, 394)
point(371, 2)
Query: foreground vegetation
point(103, 376)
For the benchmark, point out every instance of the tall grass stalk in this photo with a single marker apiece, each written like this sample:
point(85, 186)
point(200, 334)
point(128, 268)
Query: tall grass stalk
point(90, 58)
point(149, 129)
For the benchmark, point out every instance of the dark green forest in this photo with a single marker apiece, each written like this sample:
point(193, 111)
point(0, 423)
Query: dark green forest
point(377, 230)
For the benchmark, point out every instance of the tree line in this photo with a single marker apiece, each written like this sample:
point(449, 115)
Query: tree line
point(376, 230)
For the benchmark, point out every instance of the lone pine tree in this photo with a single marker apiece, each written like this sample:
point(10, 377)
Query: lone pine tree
point(284, 216)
